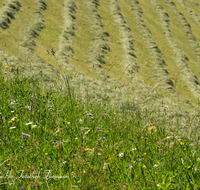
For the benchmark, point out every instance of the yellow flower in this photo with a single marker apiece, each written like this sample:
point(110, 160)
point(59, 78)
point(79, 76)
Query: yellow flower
point(181, 143)
point(150, 128)
point(109, 157)
point(9, 121)
point(189, 167)
point(91, 168)
point(6, 66)
point(154, 172)
point(16, 115)
point(46, 153)
point(145, 154)
point(134, 162)
point(86, 149)
point(8, 164)
point(144, 166)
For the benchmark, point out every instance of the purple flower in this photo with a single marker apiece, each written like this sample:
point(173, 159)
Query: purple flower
point(92, 117)
point(104, 138)
point(89, 114)
point(97, 127)
point(22, 187)
point(0, 140)
point(151, 124)
point(25, 136)
point(100, 131)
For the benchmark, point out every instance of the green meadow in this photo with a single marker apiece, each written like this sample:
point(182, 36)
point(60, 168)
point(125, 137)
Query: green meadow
point(98, 94)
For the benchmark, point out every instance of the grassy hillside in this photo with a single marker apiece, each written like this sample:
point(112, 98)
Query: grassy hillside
point(136, 56)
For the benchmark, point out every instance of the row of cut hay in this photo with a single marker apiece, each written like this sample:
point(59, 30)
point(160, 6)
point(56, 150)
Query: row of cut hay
point(186, 28)
point(155, 53)
point(7, 12)
point(68, 31)
point(188, 76)
point(190, 11)
point(195, 3)
point(129, 63)
point(99, 47)
point(32, 31)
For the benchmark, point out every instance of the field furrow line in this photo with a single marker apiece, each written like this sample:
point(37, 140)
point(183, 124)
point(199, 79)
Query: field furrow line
point(186, 28)
point(99, 47)
point(195, 3)
point(68, 31)
point(129, 62)
point(33, 30)
point(188, 76)
point(155, 53)
point(7, 12)
point(190, 11)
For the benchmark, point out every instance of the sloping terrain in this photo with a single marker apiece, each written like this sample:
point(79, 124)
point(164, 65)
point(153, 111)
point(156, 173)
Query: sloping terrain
point(134, 52)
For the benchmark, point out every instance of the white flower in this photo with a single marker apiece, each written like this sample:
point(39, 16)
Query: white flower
point(73, 174)
point(64, 162)
point(28, 107)
point(80, 120)
point(158, 185)
point(13, 119)
point(134, 149)
point(12, 111)
point(29, 123)
point(84, 171)
point(155, 165)
point(99, 153)
point(76, 138)
point(68, 123)
point(12, 127)
point(33, 126)
point(121, 154)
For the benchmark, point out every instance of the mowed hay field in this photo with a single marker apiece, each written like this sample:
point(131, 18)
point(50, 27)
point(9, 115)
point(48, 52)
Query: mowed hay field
point(136, 54)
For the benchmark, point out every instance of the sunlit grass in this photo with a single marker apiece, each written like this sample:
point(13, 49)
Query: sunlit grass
point(53, 140)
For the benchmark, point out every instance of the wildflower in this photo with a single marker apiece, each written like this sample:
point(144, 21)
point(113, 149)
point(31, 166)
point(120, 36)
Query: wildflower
point(99, 153)
point(89, 114)
point(10, 121)
point(16, 115)
point(100, 131)
point(25, 136)
point(97, 127)
point(121, 155)
point(144, 166)
point(68, 123)
point(73, 174)
point(92, 117)
point(181, 143)
point(12, 127)
point(109, 157)
point(105, 166)
point(134, 149)
point(145, 154)
point(64, 162)
point(6, 66)
point(12, 111)
point(134, 162)
point(155, 165)
point(80, 121)
point(91, 168)
point(84, 171)
point(150, 128)
point(22, 187)
point(28, 107)
point(189, 167)
point(8, 164)
point(86, 149)
point(13, 119)
point(29, 123)
point(0, 140)
point(76, 138)
point(33, 126)
point(46, 153)
point(104, 138)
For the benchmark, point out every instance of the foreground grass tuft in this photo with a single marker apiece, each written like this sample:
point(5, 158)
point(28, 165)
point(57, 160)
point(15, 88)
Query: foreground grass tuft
point(53, 140)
